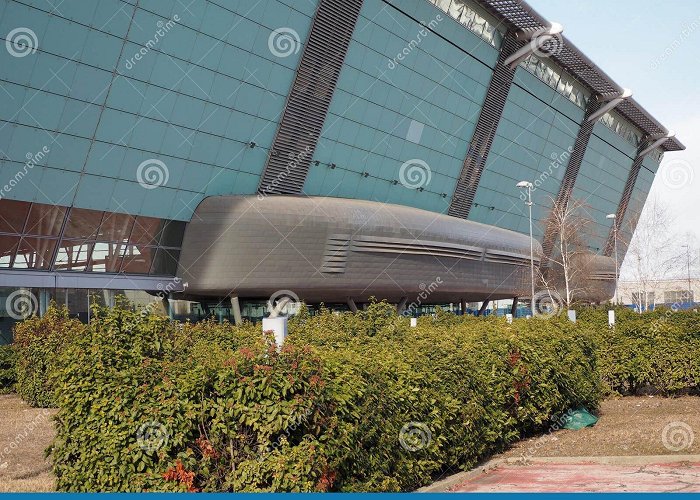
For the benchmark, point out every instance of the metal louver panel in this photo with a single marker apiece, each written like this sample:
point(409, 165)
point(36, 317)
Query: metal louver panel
point(335, 255)
point(624, 200)
point(570, 175)
point(310, 96)
point(484, 133)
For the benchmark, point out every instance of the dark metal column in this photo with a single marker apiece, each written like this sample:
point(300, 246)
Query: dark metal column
point(569, 180)
point(484, 132)
point(310, 97)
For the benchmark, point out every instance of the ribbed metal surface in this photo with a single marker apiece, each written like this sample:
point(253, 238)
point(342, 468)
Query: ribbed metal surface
point(570, 175)
point(519, 16)
point(310, 96)
point(484, 133)
point(335, 255)
point(624, 201)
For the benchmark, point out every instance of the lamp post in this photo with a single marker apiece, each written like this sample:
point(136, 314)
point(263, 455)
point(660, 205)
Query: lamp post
point(614, 219)
point(528, 185)
point(687, 254)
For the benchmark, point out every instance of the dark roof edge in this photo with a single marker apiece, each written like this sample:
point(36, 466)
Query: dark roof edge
point(519, 15)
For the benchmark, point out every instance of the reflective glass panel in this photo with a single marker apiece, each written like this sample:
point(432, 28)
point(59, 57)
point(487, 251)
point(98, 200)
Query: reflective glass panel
point(116, 227)
point(82, 224)
point(45, 220)
point(138, 259)
point(8, 247)
point(145, 231)
point(172, 233)
point(107, 257)
point(12, 216)
point(165, 262)
point(73, 255)
point(35, 253)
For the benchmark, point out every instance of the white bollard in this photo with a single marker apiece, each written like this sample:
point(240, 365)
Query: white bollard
point(572, 315)
point(414, 322)
point(509, 318)
point(611, 317)
point(278, 325)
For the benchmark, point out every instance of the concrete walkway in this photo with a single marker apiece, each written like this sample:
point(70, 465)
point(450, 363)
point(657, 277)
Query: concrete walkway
point(586, 477)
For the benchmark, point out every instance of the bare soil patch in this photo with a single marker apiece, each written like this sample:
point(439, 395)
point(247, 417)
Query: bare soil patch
point(644, 425)
point(25, 433)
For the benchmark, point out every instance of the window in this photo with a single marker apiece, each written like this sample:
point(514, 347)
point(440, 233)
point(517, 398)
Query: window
point(44, 220)
point(557, 78)
point(472, 17)
point(35, 253)
point(82, 224)
point(12, 216)
point(622, 127)
point(679, 297)
point(8, 248)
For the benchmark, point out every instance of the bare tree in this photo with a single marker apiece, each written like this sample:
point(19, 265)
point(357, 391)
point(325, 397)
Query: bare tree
point(568, 266)
point(654, 253)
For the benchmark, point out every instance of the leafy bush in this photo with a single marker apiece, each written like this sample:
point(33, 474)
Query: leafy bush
point(352, 402)
point(8, 376)
point(38, 343)
point(657, 351)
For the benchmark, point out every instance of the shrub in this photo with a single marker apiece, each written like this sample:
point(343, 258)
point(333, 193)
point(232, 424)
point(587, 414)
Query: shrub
point(149, 404)
point(7, 369)
point(38, 343)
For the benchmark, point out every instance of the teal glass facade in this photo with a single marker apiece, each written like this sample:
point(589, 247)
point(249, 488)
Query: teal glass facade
point(533, 141)
point(114, 84)
point(387, 111)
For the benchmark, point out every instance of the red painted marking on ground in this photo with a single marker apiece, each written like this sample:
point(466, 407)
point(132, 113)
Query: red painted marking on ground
point(583, 477)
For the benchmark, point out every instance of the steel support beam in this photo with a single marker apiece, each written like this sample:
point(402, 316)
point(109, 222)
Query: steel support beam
point(569, 180)
point(310, 97)
point(484, 132)
point(483, 308)
point(514, 307)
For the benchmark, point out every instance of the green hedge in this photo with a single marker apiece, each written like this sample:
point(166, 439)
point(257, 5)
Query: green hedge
point(653, 352)
point(352, 402)
point(38, 343)
point(8, 376)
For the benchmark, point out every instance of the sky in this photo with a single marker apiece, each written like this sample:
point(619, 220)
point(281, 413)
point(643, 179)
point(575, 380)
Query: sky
point(653, 48)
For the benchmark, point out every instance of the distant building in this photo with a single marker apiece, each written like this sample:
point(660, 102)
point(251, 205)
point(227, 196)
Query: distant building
point(680, 293)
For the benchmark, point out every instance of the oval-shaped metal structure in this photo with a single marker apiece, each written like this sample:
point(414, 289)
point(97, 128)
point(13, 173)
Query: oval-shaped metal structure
point(331, 249)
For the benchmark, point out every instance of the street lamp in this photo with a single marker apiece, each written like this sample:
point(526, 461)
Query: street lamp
point(614, 219)
point(528, 185)
point(687, 253)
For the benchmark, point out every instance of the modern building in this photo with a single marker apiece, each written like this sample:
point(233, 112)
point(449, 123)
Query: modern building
point(672, 293)
point(225, 152)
